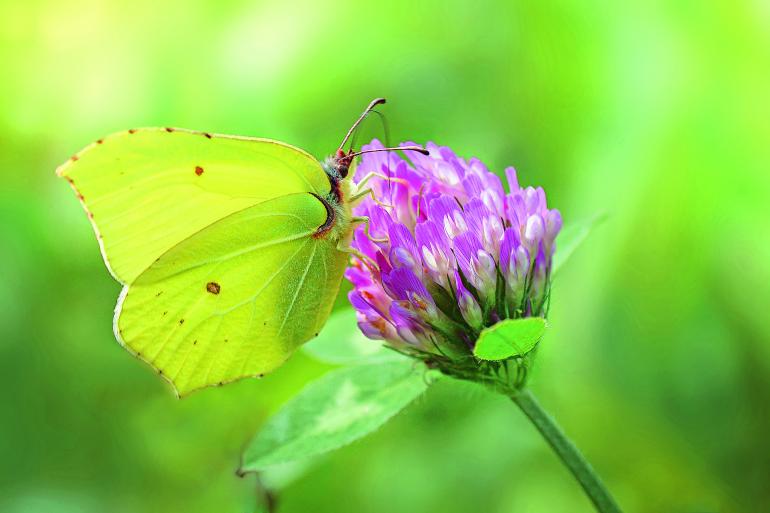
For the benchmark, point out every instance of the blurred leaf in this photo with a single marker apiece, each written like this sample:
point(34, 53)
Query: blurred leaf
point(572, 236)
point(511, 337)
point(341, 342)
point(340, 407)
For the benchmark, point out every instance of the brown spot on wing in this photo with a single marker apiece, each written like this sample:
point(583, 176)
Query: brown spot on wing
point(132, 130)
point(181, 321)
point(207, 135)
point(198, 170)
point(99, 141)
point(213, 287)
point(74, 158)
point(169, 130)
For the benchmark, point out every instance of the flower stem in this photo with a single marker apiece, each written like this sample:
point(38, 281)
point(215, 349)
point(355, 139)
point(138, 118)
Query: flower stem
point(566, 451)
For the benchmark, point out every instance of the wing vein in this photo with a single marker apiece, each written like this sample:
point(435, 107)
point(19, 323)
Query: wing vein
point(236, 254)
point(299, 288)
point(253, 300)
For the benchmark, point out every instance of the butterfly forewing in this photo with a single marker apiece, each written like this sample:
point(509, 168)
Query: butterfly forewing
point(147, 190)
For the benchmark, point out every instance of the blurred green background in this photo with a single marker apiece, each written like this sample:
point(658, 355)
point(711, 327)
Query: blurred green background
point(658, 360)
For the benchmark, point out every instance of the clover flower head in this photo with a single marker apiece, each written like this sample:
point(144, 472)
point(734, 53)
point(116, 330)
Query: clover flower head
point(448, 251)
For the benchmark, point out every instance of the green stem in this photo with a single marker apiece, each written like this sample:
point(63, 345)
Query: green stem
point(567, 452)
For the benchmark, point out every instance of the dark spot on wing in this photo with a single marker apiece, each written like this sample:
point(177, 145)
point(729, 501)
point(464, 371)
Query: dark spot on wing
point(160, 372)
point(195, 342)
point(159, 293)
point(207, 135)
point(315, 335)
point(164, 313)
point(181, 321)
point(99, 141)
point(264, 323)
point(213, 287)
point(74, 158)
point(198, 170)
point(169, 130)
point(132, 130)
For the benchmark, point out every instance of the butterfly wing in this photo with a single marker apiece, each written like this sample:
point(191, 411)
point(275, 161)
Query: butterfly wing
point(236, 298)
point(146, 190)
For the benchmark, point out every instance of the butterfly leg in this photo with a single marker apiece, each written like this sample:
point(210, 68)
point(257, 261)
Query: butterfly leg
point(358, 196)
point(365, 221)
point(353, 251)
point(345, 247)
point(373, 174)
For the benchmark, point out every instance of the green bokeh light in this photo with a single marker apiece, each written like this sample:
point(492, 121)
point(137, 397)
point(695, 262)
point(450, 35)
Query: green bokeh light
point(657, 357)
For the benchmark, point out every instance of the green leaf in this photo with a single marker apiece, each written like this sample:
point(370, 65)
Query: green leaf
point(572, 236)
point(344, 405)
point(341, 342)
point(511, 337)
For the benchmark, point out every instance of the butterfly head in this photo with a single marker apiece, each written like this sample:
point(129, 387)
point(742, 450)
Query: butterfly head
point(341, 162)
point(337, 166)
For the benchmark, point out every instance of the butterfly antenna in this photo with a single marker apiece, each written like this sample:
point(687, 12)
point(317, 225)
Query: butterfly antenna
point(418, 149)
point(386, 131)
point(372, 105)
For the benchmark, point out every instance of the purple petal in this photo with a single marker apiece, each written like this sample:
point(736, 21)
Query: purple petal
point(508, 246)
point(469, 307)
point(435, 250)
point(404, 252)
point(473, 186)
point(513, 180)
point(553, 225)
point(407, 324)
point(534, 230)
point(404, 285)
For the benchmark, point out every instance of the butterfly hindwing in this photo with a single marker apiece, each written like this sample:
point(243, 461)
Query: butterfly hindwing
point(236, 298)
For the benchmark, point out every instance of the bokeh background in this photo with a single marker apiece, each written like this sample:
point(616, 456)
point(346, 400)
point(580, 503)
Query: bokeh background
point(658, 360)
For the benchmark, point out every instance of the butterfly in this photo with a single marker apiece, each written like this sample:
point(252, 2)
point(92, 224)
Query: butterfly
point(230, 249)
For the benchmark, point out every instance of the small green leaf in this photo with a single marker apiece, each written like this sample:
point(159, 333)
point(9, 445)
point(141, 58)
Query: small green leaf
point(511, 337)
point(572, 236)
point(341, 342)
point(344, 405)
